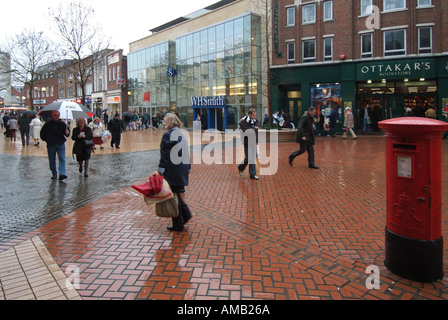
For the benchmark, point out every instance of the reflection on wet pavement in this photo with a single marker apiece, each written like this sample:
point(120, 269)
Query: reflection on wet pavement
point(29, 199)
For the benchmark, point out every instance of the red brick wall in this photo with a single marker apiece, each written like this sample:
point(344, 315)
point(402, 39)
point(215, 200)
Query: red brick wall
point(348, 23)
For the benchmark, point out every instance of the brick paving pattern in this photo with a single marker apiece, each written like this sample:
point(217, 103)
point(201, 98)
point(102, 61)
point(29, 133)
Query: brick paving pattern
point(300, 234)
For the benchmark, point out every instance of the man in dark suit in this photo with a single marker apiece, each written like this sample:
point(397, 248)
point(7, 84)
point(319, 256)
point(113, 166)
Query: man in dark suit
point(249, 126)
point(305, 137)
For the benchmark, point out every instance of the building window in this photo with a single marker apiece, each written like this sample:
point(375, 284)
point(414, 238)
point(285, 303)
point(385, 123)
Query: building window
point(114, 73)
point(328, 49)
point(290, 16)
point(328, 10)
point(366, 46)
point(110, 74)
point(366, 7)
point(424, 3)
point(118, 72)
point(61, 94)
point(70, 92)
point(52, 91)
point(394, 5)
point(395, 43)
point(309, 13)
point(424, 40)
point(291, 49)
point(309, 51)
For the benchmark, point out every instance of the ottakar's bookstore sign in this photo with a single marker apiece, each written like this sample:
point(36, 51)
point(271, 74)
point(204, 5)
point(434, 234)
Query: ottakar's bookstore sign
point(397, 69)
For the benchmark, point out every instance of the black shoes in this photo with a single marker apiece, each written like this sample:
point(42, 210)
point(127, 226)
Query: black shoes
point(62, 177)
point(171, 228)
point(313, 167)
point(290, 161)
point(80, 168)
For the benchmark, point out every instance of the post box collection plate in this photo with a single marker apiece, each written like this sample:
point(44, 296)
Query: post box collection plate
point(404, 167)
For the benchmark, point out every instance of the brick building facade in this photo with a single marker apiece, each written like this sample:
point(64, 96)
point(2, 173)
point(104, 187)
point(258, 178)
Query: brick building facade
point(384, 54)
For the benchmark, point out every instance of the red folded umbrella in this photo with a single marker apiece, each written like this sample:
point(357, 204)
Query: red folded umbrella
point(152, 187)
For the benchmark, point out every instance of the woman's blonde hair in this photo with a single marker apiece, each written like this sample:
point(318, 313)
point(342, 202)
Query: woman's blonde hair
point(171, 121)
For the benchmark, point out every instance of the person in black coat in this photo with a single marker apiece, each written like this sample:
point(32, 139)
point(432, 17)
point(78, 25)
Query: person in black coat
point(6, 119)
point(175, 174)
point(80, 134)
point(305, 137)
point(24, 126)
point(116, 128)
point(249, 126)
point(54, 133)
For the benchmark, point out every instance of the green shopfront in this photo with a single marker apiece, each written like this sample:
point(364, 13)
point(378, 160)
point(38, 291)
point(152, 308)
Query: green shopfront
point(386, 87)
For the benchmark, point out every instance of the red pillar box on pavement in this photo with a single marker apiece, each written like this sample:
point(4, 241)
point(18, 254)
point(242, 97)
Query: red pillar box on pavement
point(414, 242)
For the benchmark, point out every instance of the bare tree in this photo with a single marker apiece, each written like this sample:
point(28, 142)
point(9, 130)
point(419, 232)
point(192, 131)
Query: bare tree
point(31, 52)
point(82, 40)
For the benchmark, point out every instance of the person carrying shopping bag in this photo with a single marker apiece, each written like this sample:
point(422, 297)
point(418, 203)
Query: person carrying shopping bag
point(175, 174)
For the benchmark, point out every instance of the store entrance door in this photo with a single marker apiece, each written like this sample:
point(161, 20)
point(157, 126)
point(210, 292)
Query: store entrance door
point(295, 110)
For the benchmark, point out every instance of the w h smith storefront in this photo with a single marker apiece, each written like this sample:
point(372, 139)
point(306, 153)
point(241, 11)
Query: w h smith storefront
point(389, 86)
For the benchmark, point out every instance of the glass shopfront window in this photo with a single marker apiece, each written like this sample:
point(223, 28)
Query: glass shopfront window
point(221, 60)
point(228, 67)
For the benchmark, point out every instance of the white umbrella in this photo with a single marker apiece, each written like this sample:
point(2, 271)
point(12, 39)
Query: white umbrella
point(68, 110)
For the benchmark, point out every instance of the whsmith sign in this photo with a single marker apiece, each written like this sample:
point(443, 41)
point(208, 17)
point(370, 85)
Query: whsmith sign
point(208, 102)
point(397, 69)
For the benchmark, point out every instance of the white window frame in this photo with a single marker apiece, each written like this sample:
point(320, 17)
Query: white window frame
point(290, 59)
point(394, 9)
point(331, 11)
point(303, 16)
point(364, 54)
point(419, 5)
point(425, 49)
point(309, 59)
point(328, 57)
point(392, 51)
point(370, 5)
point(290, 12)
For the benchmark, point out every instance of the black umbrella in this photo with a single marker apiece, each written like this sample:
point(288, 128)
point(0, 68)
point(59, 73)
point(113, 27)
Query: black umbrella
point(31, 113)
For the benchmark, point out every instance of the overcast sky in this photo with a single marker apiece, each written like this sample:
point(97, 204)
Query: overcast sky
point(124, 21)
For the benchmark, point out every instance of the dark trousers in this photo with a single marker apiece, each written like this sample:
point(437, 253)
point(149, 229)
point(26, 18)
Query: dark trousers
point(116, 139)
point(304, 147)
point(25, 137)
point(184, 211)
point(332, 128)
point(252, 167)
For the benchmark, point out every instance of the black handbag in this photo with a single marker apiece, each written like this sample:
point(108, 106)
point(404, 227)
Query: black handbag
point(88, 143)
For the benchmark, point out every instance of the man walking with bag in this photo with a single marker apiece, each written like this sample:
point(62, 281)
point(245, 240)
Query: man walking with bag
point(305, 137)
point(249, 126)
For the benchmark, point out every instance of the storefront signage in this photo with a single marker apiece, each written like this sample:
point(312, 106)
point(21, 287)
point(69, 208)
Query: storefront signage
point(398, 69)
point(113, 99)
point(208, 101)
point(43, 101)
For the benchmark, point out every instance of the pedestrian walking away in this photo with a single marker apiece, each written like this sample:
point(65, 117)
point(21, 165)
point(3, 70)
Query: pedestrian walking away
point(54, 133)
point(249, 127)
point(13, 126)
point(175, 174)
point(82, 134)
point(97, 129)
point(24, 126)
point(306, 138)
point(349, 124)
point(116, 129)
point(35, 127)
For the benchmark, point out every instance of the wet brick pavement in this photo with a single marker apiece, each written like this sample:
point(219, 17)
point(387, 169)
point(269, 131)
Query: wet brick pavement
point(300, 234)
point(30, 199)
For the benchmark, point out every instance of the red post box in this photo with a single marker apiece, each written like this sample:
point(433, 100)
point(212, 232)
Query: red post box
point(414, 242)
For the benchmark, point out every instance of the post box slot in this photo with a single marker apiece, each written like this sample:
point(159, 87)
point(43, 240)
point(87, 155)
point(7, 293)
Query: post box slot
point(405, 147)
